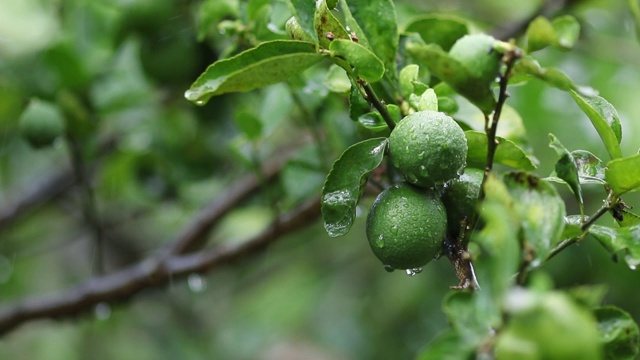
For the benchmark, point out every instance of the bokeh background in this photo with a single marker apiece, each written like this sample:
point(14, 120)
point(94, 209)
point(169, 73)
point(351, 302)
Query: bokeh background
point(306, 297)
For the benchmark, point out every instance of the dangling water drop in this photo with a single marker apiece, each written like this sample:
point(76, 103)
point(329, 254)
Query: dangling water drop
point(413, 272)
point(102, 311)
point(380, 241)
point(394, 229)
point(389, 268)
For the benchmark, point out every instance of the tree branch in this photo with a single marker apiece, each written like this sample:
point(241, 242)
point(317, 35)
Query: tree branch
point(153, 271)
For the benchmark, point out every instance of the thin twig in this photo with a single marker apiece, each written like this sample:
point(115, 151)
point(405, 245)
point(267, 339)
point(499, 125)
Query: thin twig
point(377, 103)
point(154, 271)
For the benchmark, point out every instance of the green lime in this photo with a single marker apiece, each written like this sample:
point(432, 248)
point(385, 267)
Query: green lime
point(428, 148)
point(476, 53)
point(460, 197)
point(41, 123)
point(406, 226)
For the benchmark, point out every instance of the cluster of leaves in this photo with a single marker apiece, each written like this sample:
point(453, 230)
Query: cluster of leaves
point(386, 74)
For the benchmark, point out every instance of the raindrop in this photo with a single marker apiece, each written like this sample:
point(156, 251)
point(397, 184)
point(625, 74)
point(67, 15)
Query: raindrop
point(389, 268)
point(412, 178)
point(437, 256)
point(413, 272)
point(421, 155)
point(380, 241)
point(199, 102)
point(632, 266)
point(102, 311)
point(196, 283)
point(394, 229)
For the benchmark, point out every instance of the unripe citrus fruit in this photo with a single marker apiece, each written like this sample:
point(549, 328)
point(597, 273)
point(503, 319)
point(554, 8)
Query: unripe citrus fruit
point(406, 226)
point(461, 196)
point(476, 53)
point(428, 148)
point(41, 123)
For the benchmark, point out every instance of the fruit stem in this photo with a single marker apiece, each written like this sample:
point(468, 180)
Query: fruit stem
point(377, 103)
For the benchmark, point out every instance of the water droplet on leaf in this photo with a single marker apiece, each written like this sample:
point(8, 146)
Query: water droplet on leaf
point(389, 268)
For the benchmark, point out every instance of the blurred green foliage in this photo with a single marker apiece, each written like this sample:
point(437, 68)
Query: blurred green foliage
point(118, 70)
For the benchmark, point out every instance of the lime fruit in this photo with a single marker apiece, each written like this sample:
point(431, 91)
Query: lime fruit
point(41, 123)
point(460, 198)
point(406, 226)
point(428, 148)
point(476, 53)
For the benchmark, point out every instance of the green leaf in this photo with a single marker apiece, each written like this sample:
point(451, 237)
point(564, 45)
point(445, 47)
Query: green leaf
point(591, 170)
point(407, 76)
point(269, 63)
point(618, 333)
point(625, 239)
point(547, 326)
point(448, 345)
point(365, 64)
point(623, 174)
point(325, 23)
point(439, 29)
point(455, 74)
point(336, 80)
point(541, 211)
point(623, 216)
point(604, 118)
point(358, 105)
point(500, 252)
point(540, 34)
point(346, 181)
point(554, 77)
point(567, 170)
point(373, 121)
point(377, 19)
point(464, 316)
point(567, 29)
point(507, 153)
point(304, 12)
point(249, 124)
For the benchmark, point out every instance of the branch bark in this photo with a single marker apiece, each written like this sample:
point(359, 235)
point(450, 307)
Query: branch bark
point(154, 271)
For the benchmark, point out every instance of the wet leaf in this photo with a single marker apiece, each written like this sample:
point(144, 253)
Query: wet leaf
point(567, 29)
point(626, 239)
point(507, 153)
point(567, 170)
point(364, 63)
point(358, 105)
point(439, 29)
point(605, 120)
point(345, 183)
point(591, 169)
point(623, 174)
point(427, 101)
point(408, 75)
point(269, 63)
point(624, 217)
point(373, 121)
point(455, 74)
point(304, 12)
point(327, 26)
point(377, 20)
point(540, 34)
point(541, 211)
point(618, 333)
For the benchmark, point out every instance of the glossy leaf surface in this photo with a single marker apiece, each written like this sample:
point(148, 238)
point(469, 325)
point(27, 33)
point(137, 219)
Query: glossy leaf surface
point(605, 120)
point(507, 152)
point(345, 183)
point(623, 175)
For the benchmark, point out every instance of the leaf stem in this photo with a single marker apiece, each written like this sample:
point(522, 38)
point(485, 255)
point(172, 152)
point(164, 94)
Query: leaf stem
point(377, 103)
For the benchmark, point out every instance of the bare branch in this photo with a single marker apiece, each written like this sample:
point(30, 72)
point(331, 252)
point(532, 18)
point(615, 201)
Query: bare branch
point(153, 271)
